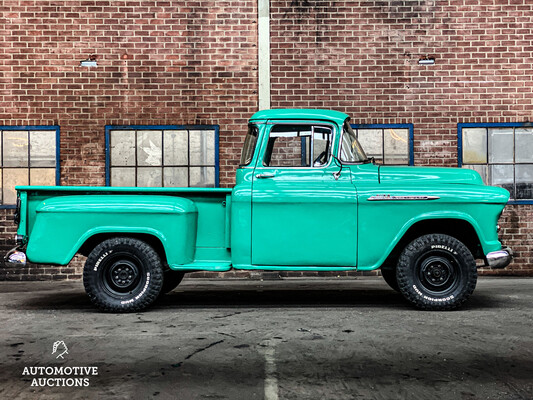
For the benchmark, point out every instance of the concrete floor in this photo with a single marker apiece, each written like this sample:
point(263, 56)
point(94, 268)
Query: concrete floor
point(289, 339)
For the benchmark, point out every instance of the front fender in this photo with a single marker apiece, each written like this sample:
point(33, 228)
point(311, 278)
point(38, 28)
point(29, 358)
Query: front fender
point(64, 223)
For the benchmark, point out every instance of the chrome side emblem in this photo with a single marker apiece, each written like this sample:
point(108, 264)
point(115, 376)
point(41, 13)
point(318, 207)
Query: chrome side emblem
point(389, 197)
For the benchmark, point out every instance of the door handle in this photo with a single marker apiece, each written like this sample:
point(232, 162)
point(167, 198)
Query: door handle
point(265, 175)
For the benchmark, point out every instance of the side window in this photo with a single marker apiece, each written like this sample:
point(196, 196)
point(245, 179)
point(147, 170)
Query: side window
point(298, 146)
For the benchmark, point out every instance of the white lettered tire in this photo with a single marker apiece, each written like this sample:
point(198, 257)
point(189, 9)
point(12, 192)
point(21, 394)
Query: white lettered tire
point(123, 275)
point(436, 272)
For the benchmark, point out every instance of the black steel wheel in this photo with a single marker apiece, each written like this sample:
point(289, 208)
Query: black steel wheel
point(436, 272)
point(123, 275)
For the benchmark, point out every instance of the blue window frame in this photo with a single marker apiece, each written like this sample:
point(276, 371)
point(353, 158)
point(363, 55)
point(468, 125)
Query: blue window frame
point(29, 155)
point(390, 144)
point(502, 153)
point(162, 155)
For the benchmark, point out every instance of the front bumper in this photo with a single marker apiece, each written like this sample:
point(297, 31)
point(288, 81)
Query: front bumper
point(499, 259)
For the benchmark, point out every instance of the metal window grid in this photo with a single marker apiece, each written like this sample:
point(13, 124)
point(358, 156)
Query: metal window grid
point(135, 128)
point(383, 127)
point(487, 126)
point(29, 128)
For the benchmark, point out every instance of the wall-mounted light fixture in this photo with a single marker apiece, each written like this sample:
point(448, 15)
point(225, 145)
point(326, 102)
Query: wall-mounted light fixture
point(426, 61)
point(90, 62)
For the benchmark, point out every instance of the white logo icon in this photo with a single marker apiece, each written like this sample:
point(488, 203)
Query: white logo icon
point(58, 346)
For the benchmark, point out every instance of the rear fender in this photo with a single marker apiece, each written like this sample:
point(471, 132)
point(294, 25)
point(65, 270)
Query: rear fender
point(64, 224)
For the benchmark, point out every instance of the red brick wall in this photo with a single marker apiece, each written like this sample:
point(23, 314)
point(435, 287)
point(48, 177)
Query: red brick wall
point(159, 62)
point(361, 57)
point(195, 62)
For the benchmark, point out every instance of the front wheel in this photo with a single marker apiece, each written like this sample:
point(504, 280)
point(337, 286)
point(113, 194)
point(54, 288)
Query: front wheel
point(123, 275)
point(436, 272)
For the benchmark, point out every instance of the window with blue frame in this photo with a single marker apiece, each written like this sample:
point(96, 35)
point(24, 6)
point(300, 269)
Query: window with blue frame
point(390, 144)
point(502, 153)
point(162, 156)
point(29, 155)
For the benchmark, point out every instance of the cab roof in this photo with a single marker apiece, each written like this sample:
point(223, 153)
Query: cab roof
point(313, 114)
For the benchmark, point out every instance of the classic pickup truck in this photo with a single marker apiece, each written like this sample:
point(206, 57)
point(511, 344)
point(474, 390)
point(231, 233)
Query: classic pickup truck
point(306, 198)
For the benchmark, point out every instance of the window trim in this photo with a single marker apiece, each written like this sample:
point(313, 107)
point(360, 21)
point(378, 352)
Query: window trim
point(392, 126)
point(55, 128)
point(462, 125)
point(303, 122)
point(109, 128)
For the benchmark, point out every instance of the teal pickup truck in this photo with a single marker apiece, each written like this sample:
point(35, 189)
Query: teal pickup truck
point(306, 198)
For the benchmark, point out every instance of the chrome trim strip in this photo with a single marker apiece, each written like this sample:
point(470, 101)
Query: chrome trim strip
point(389, 197)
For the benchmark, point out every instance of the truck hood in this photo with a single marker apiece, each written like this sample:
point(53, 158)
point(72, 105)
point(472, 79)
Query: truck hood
point(389, 174)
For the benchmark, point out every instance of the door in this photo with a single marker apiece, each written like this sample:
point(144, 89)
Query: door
point(302, 213)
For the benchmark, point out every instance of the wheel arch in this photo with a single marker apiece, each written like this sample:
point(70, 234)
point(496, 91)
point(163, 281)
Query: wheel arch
point(153, 240)
point(459, 228)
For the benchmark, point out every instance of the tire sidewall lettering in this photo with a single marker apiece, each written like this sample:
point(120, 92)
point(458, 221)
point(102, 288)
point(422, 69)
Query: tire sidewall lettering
point(433, 299)
point(141, 293)
point(445, 248)
point(101, 258)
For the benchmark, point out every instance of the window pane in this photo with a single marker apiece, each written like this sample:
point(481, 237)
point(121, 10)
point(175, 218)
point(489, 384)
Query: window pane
point(15, 148)
point(122, 147)
point(503, 175)
point(249, 145)
point(321, 146)
point(122, 176)
point(287, 151)
point(523, 145)
point(176, 176)
point(149, 177)
point(524, 181)
point(501, 145)
point(483, 170)
point(202, 145)
point(202, 177)
point(372, 142)
point(474, 145)
point(43, 176)
point(12, 178)
point(149, 151)
point(176, 147)
point(396, 146)
point(42, 148)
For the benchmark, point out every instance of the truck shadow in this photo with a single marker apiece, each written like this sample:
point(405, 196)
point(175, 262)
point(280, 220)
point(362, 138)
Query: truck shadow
point(231, 297)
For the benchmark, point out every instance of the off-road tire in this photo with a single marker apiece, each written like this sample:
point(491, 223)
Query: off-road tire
point(123, 275)
point(171, 280)
point(389, 275)
point(436, 272)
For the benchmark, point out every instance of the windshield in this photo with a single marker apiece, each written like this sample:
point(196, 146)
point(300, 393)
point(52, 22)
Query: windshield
point(351, 150)
point(249, 145)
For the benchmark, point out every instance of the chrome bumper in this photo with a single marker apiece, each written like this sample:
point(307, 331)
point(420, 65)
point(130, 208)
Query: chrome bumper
point(500, 258)
point(15, 258)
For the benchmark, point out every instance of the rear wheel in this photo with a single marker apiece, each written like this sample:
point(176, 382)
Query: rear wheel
point(123, 275)
point(436, 272)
